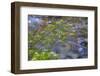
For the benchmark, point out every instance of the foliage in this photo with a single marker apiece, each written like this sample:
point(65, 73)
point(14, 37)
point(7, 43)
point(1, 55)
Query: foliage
point(41, 42)
point(36, 54)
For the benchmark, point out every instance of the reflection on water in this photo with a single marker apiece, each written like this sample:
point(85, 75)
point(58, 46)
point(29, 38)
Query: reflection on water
point(57, 37)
